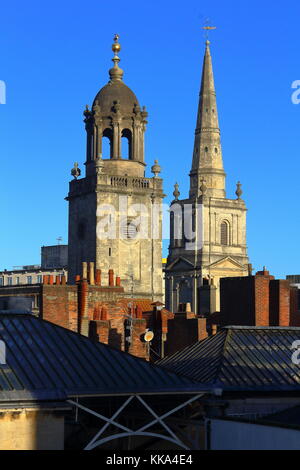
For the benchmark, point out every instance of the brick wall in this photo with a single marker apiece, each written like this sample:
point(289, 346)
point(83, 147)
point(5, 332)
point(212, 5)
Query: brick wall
point(279, 302)
point(294, 306)
point(99, 312)
point(261, 301)
point(183, 330)
point(258, 300)
point(56, 303)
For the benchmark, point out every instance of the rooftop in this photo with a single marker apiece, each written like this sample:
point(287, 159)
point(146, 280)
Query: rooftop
point(241, 358)
point(45, 361)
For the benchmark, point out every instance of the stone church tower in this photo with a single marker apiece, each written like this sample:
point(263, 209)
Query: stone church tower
point(110, 209)
point(218, 224)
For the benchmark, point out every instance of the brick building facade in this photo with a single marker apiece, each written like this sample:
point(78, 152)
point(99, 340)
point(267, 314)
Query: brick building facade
point(104, 313)
point(259, 300)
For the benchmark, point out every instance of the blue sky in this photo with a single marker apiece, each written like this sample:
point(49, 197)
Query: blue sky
point(55, 56)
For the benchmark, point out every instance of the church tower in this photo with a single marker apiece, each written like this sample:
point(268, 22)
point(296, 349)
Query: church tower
point(218, 224)
point(112, 209)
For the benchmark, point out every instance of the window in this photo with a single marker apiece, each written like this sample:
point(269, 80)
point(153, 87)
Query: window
point(206, 149)
point(9, 281)
point(107, 147)
point(1, 281)
point(17, 280)
point(126, 138)
point(39, 279)
point(224, 233)
point(109, 251)
point(29, 279)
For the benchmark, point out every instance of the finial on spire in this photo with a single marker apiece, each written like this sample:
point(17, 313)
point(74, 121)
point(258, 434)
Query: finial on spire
point(176, 192)
point(155, 169)
point(75, 172)
point(116, 73)
point(238, 192)
point(207, 28)
point(116, 47)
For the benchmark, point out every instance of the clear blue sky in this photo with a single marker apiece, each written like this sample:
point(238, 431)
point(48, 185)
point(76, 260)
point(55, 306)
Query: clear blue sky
point(55, 57)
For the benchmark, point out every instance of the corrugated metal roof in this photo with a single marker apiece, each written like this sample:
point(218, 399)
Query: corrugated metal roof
point(44, 358)
point(241, 358)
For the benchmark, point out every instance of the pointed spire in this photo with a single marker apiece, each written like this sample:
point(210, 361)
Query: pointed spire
point(116, 73)
point(207, 156)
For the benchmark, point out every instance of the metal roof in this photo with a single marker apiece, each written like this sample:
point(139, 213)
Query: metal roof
point(241, 358)
point(45, 360)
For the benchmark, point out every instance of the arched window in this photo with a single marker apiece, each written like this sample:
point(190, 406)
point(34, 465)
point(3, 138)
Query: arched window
point(224, 233)
point(107, 147)
point(126, 144)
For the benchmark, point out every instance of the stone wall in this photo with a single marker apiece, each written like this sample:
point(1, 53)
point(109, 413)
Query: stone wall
point(31, 429)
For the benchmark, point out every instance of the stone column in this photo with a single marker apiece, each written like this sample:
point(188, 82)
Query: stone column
point(115, 144)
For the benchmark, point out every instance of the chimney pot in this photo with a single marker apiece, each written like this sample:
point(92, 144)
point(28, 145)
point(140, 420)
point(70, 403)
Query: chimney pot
point(92, 273)
point(111, 278)
point(84, 270)
point(98, 277)
point(214, 329)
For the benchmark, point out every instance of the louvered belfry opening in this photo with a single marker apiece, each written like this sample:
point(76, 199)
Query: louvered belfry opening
point(224, 233)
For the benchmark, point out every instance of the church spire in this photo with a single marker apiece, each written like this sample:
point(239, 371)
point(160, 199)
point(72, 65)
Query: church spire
point(207, 156)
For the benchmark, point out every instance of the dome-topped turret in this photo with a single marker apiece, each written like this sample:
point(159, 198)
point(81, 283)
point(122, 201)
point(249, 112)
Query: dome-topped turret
point(116, 93)
point(115, 126)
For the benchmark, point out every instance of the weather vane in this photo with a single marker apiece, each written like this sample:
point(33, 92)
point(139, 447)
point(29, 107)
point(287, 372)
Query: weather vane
point(208, 28)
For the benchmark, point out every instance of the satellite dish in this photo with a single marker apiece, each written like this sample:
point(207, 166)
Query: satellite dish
point(148, 336)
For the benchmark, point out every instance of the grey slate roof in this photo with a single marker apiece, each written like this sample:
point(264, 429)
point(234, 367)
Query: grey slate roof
point(241, 358)
point(46, 361)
